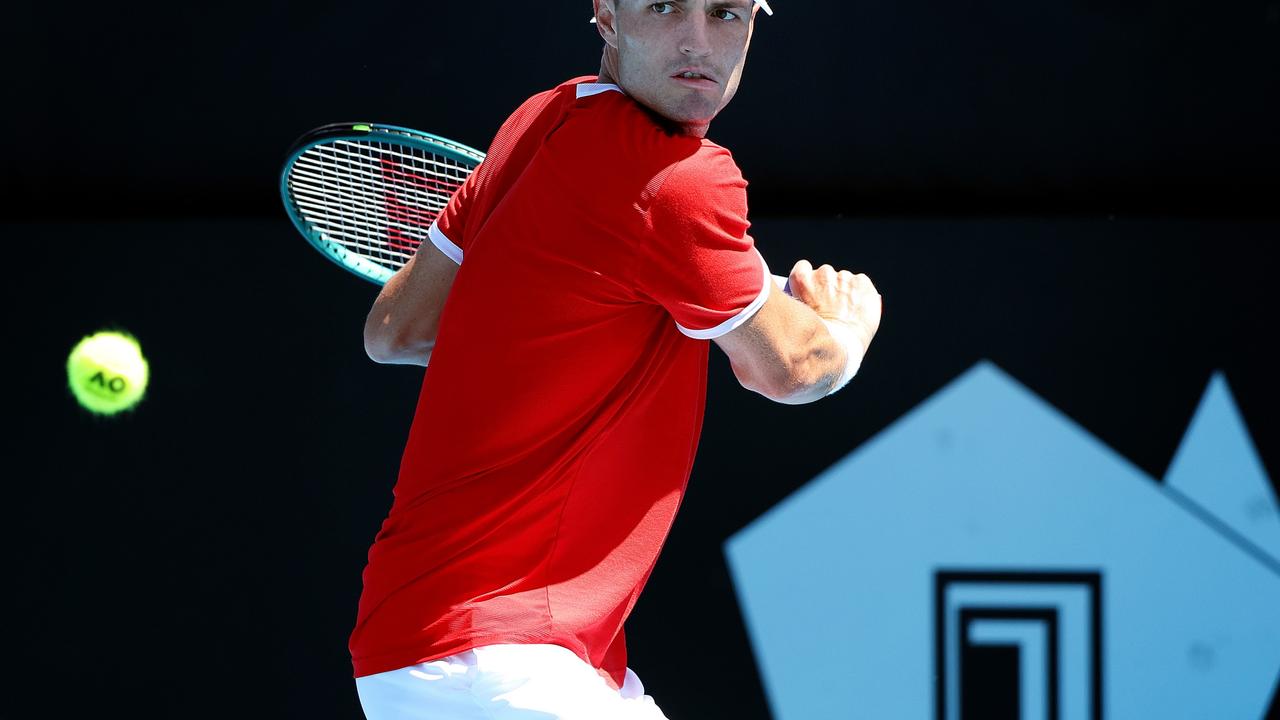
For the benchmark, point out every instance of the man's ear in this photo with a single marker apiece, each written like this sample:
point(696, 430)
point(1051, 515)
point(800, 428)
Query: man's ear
point(606, 19)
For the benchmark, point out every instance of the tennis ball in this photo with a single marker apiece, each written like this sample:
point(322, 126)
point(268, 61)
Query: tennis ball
point(107, 372)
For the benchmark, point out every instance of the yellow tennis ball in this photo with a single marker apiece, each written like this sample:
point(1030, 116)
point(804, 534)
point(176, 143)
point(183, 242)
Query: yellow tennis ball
point(107, 372)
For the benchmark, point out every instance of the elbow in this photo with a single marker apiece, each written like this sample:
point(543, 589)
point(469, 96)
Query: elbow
point(389, 345)
point(803, 379)
point(400, 353)
point(378, 350)
point(797, 392)
point(759, 379)
point(377, 340)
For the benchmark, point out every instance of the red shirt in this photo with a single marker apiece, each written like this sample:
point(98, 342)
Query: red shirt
point(560, 413)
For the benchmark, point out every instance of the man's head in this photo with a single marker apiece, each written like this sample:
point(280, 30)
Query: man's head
point(681, 59)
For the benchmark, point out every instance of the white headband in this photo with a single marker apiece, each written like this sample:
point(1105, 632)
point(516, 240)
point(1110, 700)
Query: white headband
point(764, 5)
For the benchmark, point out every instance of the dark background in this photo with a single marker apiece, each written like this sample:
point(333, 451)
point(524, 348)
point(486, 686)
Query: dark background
point(1083, 192)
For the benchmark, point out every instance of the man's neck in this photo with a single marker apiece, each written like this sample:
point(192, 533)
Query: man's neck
point(608, 75)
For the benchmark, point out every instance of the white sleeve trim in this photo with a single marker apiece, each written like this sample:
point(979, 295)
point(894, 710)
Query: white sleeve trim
point(737, 320)
point(445, 245)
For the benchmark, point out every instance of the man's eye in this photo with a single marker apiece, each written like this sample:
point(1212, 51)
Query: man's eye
point(662, 8)
point(724, 14)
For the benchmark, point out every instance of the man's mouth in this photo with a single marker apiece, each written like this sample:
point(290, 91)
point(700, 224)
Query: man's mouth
point(695, 77)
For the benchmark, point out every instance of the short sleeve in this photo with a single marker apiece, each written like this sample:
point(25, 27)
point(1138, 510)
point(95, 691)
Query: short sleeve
point(448, 230)
point(699, 262)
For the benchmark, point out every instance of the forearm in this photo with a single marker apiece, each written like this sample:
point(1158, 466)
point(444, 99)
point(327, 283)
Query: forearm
point(802, 364)
point(805, 345)
point(402, 325)
point(818, 367)
point(396, 332)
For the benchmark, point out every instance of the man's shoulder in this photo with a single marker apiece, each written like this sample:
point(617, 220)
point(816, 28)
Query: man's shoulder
point(534, 117)
point(635, 134)
point(704, 165)
point(566, 92)
point(597, 128)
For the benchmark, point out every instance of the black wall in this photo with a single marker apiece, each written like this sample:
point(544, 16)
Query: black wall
point(849, 107)
point(1082, 192)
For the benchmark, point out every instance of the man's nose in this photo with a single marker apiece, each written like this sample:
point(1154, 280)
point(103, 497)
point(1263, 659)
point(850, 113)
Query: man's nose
point(696, 41)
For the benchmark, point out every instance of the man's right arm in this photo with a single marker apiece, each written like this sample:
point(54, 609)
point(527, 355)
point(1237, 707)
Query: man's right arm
point(796, 349)
point(401, 327)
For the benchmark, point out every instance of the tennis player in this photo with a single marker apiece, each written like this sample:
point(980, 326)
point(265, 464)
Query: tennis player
point(565, 305)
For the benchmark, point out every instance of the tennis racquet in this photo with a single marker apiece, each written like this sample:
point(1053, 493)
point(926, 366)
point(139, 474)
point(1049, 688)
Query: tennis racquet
point(364, 194)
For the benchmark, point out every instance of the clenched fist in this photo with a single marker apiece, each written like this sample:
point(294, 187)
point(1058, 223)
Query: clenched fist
point(839, 296)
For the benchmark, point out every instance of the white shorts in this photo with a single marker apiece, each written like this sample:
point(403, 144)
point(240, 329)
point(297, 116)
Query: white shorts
point(504, 682)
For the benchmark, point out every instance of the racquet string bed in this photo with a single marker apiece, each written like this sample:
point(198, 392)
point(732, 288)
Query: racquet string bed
point(374, 199)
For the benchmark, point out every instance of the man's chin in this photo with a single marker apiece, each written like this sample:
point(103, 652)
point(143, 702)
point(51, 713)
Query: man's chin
point(688, 117)
point(684, 125)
